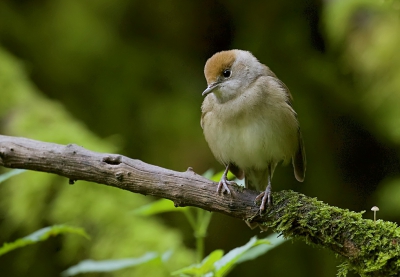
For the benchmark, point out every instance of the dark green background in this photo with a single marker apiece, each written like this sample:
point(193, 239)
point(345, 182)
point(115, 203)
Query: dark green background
point(131, 74)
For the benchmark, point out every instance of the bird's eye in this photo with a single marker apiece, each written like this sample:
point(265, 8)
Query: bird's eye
point(227, 73)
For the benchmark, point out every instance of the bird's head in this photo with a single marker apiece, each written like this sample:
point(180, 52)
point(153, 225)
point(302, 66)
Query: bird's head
point(229, 73)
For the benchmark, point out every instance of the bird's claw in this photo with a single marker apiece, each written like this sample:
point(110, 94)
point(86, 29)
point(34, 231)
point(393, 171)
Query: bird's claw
point(259, 197)
point(223, 185)
point(265, 197)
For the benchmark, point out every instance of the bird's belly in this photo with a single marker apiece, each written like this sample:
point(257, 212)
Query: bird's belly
point(253, 144)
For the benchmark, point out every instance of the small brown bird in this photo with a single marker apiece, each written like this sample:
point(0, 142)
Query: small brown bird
point(249, 122)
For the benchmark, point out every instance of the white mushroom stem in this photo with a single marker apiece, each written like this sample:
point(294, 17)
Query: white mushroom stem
point(374, 209)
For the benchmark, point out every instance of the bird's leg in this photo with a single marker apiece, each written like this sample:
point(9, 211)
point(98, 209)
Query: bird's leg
point(223, 183)
point(265, 195)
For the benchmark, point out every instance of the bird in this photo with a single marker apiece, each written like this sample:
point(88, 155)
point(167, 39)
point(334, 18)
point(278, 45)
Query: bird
point(249, 122)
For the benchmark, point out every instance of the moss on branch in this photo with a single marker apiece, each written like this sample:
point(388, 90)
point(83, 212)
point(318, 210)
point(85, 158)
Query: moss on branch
point(370, 248)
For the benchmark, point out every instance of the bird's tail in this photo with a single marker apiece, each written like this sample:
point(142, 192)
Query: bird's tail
point(299, 160)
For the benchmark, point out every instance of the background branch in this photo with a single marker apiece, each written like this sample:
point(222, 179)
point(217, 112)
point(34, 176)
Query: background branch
point(370, 248)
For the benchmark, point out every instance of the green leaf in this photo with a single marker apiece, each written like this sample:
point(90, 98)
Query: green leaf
point(166, 256)
point(217, 177)
point(10, 173)
point(157, 207)
point(208, 174)
point(259, 250)
point(42, 235)
point(108, 265)
point(218, 265)
point(226, 263)
point(208, 263)
point(206, 266)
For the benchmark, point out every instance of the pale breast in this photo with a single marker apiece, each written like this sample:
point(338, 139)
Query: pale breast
point(250, 134)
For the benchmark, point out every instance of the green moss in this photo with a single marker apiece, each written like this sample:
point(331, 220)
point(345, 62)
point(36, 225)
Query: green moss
point(370, 248)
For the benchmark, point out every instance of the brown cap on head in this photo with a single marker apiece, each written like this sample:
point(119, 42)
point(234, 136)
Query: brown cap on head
point(217, 64)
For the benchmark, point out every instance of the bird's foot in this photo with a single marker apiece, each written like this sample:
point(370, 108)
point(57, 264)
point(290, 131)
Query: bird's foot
point(259, 197)
point(223, 185)
point(266, 198)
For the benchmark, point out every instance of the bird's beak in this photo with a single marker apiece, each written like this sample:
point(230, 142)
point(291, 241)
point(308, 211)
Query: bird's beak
point(210, 88)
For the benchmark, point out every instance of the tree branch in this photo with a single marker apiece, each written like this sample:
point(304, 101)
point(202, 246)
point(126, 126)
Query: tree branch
point(369, 248)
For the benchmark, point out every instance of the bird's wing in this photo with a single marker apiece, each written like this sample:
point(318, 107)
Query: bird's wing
point(299, 158)
point(285, 88)
point(269, 72)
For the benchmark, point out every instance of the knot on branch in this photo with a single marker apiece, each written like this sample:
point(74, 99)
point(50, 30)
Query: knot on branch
point(113, 160)
point(119, 176)
point(5, 152)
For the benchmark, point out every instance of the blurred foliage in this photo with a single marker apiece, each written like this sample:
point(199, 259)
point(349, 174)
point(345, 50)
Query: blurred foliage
point(90, 266)
point(198, 219)
point(216, 264)
point(41, 235)
point(131, 73)
point(33, 200)
point(10, 173)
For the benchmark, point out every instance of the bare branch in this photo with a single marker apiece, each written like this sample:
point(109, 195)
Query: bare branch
point(370, 248)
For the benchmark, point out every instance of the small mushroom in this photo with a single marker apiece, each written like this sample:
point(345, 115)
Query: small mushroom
point(374, 209)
